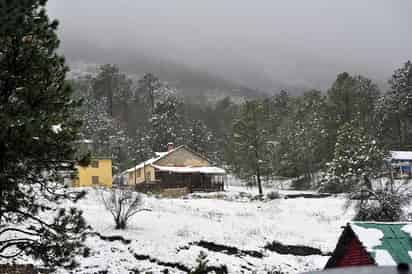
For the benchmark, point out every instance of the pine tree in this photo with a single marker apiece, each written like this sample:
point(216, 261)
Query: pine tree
point(200, 138)
point(358, 159)
point(349, 98)
point(141, 146)
point(167, 124)
point(114, 86)
point(36, 140)
point(303, 137)
point(248, 150)
point(219, 120)
point(149, 86)
point(109, 136)
point(397, 109)
point(352, 97)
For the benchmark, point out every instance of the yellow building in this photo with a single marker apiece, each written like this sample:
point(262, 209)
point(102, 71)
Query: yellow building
point(98, 173)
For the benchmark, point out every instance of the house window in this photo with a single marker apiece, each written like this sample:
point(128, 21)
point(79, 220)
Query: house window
point(148, 177)
point(95, 164)
point(95, 180)
point(138, 172)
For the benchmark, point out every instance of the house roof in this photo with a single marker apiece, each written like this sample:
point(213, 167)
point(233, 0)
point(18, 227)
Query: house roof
point(161, 155)
point(386, 243)
point(189, 169)
point(401, 155)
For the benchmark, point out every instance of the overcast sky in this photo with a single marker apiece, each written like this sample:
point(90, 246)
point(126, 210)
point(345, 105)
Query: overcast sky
point(294, 42)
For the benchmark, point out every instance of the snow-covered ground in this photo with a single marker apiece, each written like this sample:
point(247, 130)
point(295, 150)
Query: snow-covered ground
point(167, 233)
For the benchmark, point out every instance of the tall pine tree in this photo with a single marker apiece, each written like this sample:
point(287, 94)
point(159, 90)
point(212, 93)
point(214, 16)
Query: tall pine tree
point(397, 109)
point(303, 137)
point(248, 150)
point(200, 138)
point(357, 160)
point(36, 140)
point(167, 124)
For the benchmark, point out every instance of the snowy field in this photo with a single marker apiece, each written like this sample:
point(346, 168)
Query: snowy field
point(168, 235)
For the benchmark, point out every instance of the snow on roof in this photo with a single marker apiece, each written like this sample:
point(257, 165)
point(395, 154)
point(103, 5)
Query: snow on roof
point(141, 165)
point(383, 257)
point(387, 243)
point(369, 237)
point(186, 169)
point(159, 155)
point(401, 155)
point(189, 169)
point(408, 229)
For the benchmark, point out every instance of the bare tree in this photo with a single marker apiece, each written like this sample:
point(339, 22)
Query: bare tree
point(122, 203)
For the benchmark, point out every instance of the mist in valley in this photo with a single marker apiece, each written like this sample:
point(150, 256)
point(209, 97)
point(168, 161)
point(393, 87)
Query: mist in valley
point(265, 46)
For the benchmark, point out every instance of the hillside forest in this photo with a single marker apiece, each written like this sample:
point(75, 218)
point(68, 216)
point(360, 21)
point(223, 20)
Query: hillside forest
point(258, 139)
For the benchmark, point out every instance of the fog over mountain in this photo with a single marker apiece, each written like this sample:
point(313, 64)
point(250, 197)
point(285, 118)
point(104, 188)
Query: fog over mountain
point(264, 45)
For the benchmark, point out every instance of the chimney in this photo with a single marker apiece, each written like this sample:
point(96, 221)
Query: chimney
point(170, 146)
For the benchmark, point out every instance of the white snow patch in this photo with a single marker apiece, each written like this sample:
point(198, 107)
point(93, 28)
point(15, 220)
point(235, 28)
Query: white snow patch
point(165, 233)
point(160, 154)
point(408, 229)
point(370, 237)
point(383, 258)
point(401, 155)
point(56, 128)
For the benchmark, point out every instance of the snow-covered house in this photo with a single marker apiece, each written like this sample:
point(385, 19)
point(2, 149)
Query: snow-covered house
point(179, 167)
point(401, 162)
point(373, 243)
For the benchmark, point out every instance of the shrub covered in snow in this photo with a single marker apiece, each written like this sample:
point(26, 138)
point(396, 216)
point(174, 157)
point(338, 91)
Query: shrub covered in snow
point(122, 204)
point(382, 205)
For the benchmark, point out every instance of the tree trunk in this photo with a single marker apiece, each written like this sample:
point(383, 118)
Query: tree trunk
point(368, 183)
point(399, 125)
point(259, 182)
point(120, 224)
point(405, 134)
point(152, 102)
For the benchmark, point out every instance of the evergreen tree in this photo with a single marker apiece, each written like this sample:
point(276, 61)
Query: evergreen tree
point(36, 140)
point(200, 138)
point(108, 135)
point(396, 109)
point(349, 98)
point(303, 137)
point(219, 119)
point(167, 124)
point(248, 156)
point(352, 97)
point(141, 146)
point(149, 87)
point(114, 86)
point(358, 159)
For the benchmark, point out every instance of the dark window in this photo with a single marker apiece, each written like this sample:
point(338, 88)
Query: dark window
point(95, 164)
point(95, 180)
point(138, 172)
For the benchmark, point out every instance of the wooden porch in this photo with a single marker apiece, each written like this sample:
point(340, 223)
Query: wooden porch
point(193, 181)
